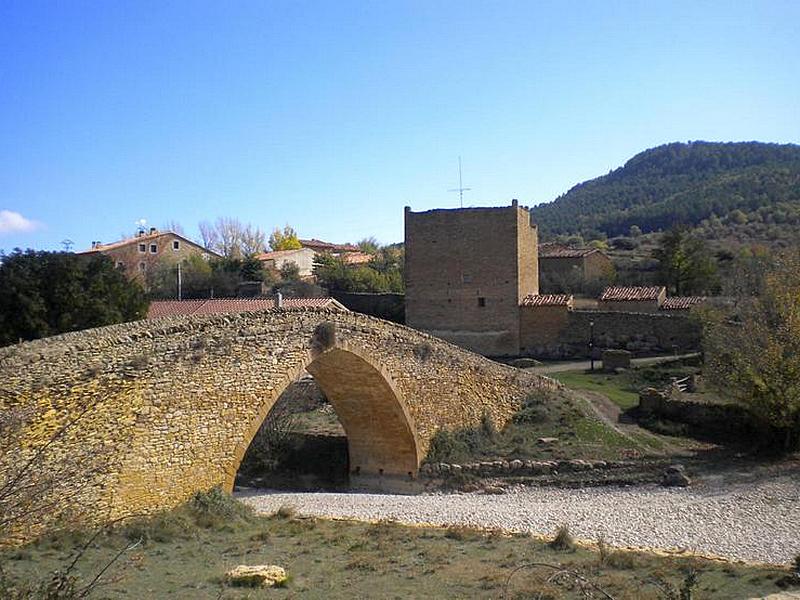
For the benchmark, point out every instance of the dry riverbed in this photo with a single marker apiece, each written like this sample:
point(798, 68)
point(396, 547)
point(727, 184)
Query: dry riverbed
point(754, 522)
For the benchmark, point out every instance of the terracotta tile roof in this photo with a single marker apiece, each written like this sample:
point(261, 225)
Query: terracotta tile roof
point(167, 308)
point(547, 300)
point(682, 302)
point(356, 258)
point(617, 293)
point(320, 246)
point(556, 251)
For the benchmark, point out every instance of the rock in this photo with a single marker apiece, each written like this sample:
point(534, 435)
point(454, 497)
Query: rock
point(674, 476)
point(525, 363)
point(493, 490)
point(256, 575)
point(516, 465)
point(547, 441)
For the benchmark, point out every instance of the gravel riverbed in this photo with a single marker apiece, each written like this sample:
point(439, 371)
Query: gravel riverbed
point(757, 522)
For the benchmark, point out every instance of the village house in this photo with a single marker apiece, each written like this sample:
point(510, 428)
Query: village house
point(142, 253)
point(304, 257)
point(570, 268)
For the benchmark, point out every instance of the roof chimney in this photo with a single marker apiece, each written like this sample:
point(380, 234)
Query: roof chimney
point(153, 230)
point(278, 300)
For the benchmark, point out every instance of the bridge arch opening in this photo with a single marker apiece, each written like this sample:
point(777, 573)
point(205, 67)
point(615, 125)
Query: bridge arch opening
point(383, 451)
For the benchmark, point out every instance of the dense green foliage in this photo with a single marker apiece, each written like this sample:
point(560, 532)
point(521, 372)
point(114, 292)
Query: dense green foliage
point(200, 278)
point(753, 354)
point(738, 186)
point(46, 293)
point(383, 273)
point(686, 266)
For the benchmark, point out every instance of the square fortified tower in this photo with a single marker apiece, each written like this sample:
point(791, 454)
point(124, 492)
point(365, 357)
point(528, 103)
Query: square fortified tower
point(467, 271)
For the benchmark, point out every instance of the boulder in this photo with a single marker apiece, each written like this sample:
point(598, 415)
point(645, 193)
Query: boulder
point(256, 576)
point(547, 441)
point(675, 476)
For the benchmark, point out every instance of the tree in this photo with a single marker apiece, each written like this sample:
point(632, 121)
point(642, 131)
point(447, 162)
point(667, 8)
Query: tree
point(46, 293)
point(284, 240)
point(173, 226)
point(369, 245)
point(685, 263)
point(753, 355)
point(232, 239)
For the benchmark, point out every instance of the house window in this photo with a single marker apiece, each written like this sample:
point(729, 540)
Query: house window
point(142, 247)
point(153, 248)
point(481, 302)
point(176, 245)
point(120, 265)
point(143, 267)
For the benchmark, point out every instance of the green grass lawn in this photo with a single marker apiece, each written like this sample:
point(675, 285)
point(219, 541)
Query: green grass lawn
point(618, 388)
point(185, 553)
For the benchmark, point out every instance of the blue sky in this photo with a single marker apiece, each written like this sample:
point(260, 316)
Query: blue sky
point(332, 116)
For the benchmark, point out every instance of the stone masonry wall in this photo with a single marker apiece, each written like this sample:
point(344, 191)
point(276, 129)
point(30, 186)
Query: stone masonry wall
point(467, 271)
point(640, 333)
point(175, 401)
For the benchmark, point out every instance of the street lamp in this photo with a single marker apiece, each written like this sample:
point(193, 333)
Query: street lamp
point(591, 344)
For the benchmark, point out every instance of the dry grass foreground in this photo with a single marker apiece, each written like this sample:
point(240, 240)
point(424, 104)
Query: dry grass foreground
point(185, 553)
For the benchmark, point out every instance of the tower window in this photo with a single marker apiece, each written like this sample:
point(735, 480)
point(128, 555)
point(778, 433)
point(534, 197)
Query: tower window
point(481, 301)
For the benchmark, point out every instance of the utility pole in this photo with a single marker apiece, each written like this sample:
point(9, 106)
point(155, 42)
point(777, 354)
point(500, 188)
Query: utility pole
point(179, 280)
point(460, 189)
point(591, 344)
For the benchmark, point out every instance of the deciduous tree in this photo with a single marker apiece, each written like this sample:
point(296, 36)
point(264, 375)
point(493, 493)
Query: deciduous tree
point(754, 353)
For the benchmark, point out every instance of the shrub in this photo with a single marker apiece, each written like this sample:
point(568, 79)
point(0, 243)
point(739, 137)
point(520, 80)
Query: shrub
point(533, 411)
point(324, 336)
point(215, 507)
point(563, 540)
point(286, 511)
point(422, 351)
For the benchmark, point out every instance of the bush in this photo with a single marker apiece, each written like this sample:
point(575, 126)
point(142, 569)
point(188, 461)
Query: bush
point(215, 507)
point(324, 336)
point(563, 540)
point(533, 411)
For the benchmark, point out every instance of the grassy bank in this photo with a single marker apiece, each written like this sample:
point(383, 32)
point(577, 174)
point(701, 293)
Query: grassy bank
point(184, 554)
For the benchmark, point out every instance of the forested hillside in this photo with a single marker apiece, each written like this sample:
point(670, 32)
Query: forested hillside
point(744, 190)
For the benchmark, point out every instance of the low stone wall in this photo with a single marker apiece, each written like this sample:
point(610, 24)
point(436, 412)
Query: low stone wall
point(500, 468)
point(616, 359)
point(390, 307)
point(640, 333)
point(705, 420)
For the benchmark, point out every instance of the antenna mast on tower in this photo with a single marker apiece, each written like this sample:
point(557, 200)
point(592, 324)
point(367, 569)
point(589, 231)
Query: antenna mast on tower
point(460, 189)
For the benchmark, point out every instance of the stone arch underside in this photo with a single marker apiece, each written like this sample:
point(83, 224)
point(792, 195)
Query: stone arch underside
point(381, 438)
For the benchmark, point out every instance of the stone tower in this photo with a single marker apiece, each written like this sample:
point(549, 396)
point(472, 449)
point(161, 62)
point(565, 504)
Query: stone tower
point(467, 271)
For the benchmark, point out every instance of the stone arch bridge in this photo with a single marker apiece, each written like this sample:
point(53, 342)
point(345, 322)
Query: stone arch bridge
point(172, 404)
